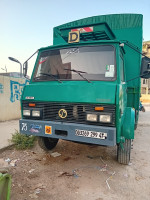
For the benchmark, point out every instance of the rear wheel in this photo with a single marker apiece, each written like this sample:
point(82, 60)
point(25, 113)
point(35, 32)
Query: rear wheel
point(143, 109)
point(135, 126)
point(47, 143)
point(124, 152)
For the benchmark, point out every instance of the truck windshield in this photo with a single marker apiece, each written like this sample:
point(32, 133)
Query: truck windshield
point(79, 63)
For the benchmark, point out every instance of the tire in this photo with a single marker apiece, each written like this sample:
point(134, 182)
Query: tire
point(47, 143)
point(135, 126)
point(143, 109)
point(123, 154)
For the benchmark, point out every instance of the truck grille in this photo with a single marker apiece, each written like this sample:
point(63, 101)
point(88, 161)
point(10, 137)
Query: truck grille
point(76, 113)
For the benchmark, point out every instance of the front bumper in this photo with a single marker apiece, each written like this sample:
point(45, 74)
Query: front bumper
point(51, 129)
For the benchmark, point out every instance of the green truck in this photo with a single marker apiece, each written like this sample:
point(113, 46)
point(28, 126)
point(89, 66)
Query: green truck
point(86, 87)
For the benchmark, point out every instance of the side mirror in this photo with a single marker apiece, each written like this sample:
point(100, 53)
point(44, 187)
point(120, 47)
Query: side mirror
point(25, 68)
point(145, 68)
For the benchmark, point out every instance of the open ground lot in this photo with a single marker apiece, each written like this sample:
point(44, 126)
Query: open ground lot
point(82, 171)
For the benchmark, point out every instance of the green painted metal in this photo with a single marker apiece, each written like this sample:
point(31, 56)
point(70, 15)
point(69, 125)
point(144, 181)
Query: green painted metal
point(128, 123)
point(126, 27)
point(121, 104)
point(120, 28)
point(72, 91)
point(5, 184)
point(101, 30)
point(118, 23)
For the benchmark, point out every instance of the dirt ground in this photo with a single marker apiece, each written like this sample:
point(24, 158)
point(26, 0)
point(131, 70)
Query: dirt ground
point(82, 172)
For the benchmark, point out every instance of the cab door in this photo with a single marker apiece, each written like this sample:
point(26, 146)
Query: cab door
point(123, 85)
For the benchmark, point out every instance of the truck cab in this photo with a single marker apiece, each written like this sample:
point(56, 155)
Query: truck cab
point(85, 87)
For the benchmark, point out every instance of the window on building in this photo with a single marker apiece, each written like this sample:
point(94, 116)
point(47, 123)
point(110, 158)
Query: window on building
point(143, 90)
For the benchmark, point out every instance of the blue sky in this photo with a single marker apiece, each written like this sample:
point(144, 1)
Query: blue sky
point(26, 25)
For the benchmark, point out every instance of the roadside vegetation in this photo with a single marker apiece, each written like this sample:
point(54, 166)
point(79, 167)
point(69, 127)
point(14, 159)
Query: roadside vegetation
point(22, 141)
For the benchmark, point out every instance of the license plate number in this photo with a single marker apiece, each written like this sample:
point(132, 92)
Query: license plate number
point(91, 134)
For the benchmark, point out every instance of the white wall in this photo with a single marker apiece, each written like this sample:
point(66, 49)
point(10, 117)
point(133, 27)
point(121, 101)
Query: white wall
point(10, 94)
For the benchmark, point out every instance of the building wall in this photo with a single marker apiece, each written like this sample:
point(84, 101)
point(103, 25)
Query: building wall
point(145, 83)
point(10, 93)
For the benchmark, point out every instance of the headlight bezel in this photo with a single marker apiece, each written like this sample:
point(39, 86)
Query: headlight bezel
point(25, 110)
point(31, 116)
point(99, 114)
point(36, 111)
point(91, 114)
point(105, 114)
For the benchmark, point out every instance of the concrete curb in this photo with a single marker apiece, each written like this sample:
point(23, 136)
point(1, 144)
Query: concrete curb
point(9, 147)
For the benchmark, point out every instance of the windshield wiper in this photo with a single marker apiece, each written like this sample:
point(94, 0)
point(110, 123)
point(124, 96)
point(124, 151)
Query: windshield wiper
point(79, 72)
point(51, 75)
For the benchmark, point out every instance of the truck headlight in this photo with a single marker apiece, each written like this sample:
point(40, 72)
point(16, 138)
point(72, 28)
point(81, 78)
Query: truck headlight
point(26, 113)
point(35, 113)
point(91, 117)
point(105, 118)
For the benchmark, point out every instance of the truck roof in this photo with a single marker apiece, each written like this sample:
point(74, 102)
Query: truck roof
point(116, 26)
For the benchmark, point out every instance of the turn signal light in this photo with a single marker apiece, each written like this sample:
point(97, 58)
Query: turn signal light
point(99, 108)
point(32, 104)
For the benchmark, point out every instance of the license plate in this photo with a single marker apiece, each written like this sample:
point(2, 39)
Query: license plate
point(91, 134)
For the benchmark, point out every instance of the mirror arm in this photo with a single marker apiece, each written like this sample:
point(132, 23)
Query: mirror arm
point(138, 76)
point(25, 65)
point(132, 46)
point(30, 57)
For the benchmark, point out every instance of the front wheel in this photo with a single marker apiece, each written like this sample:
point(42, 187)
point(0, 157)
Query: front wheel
point(47, 143)
point(124, 152)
